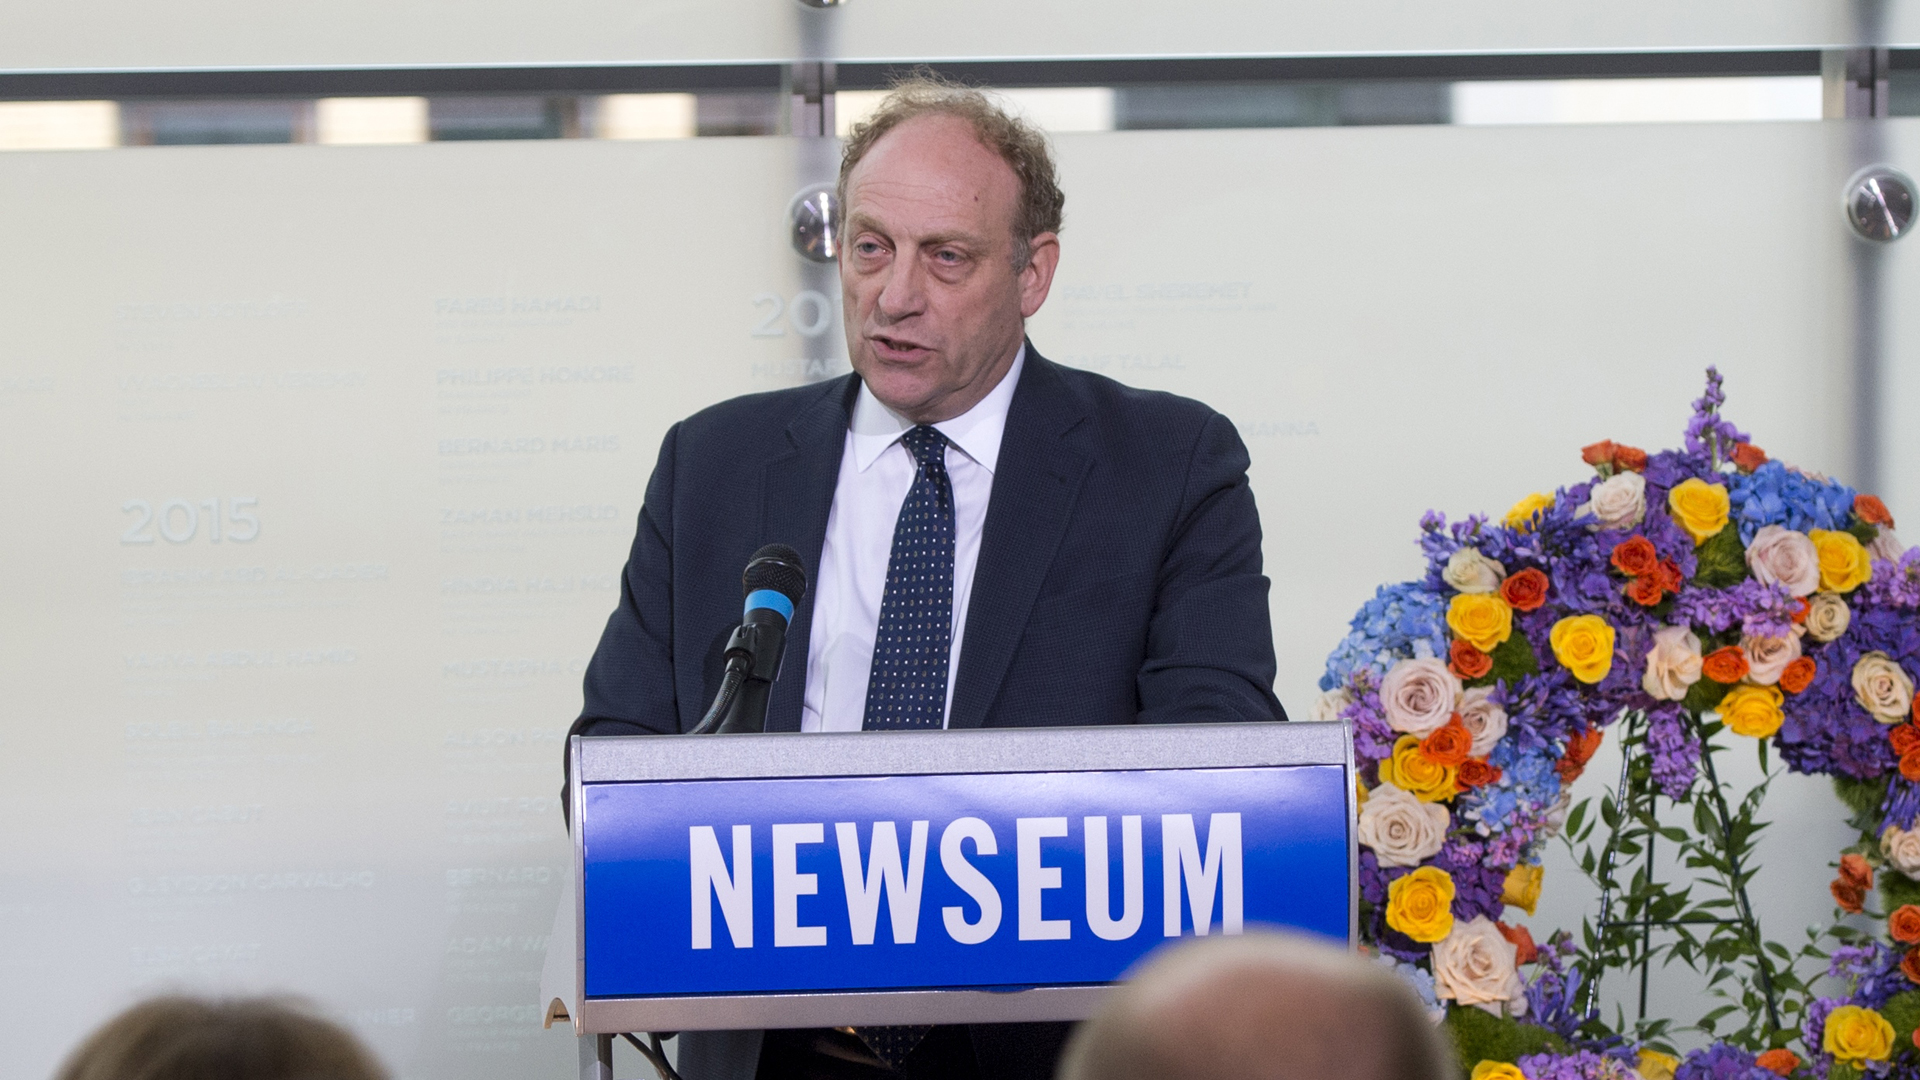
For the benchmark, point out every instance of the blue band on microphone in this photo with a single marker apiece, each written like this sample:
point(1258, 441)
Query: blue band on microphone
point(773, 601)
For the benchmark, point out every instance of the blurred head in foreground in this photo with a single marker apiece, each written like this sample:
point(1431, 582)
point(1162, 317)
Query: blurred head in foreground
point(183, 1038)
point(1262, 1006)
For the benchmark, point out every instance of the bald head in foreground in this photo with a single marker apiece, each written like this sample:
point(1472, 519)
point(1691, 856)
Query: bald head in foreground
point(1263, 1006)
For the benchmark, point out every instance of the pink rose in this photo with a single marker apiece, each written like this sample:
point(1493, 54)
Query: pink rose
point(1484, 720)
point(1419, 695)
point(1767, 657)
point(1783, 556)
point(1673, 664)
point(1475, 965)
point(1886, 546)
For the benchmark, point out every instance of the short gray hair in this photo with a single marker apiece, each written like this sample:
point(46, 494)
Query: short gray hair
point(1020, 144)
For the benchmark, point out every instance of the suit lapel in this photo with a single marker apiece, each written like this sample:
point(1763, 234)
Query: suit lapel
point(1035, 484)
point(796, 497)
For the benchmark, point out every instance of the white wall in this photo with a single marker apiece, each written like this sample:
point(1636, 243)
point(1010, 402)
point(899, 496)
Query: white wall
point(324, 759)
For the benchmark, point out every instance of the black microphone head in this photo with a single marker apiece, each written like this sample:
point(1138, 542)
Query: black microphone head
point(776, 567)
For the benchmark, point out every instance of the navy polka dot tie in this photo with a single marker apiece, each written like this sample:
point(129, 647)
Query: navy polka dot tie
point(913, 643)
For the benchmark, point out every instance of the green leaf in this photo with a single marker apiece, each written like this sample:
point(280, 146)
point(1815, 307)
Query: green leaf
point(1863, 532)
point(1723, 559)
point(1897, 888)
point(1704, 696)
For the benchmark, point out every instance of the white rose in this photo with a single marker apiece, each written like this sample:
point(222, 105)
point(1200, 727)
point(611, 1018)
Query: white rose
point(1783, 556)
point(1487, 721)
point(1475, 965)
point(1419, 695)
point(1402, 830)
point(1902, 849)
point(1619, 501)
point(1471, 572)
point(1556, 818)
point(1330, 704)
point(1886, 546)
point(1767, 657)
point(1882, 688)
point(1673, 664)
point(1827, 616)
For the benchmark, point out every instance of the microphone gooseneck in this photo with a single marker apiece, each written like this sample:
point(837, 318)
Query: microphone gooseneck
point(773, 584)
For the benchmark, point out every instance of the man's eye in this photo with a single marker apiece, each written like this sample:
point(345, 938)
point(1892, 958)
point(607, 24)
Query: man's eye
point(867, 247)
point(947, 256)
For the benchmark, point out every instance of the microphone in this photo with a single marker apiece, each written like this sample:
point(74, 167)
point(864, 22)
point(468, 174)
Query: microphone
point(773, 583)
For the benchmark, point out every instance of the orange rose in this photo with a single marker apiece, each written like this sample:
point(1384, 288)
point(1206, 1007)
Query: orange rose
point(1904, 738)
point(1630, 457)
point(1778, 1061)
point(1725, 665)
point(1798, 675)
point(1670, 576)
point(1448, 745)
point(1646, 591)
point(1748, 457)
point(1910, 967)
point(1904, 924)
point(1870, 509)
point(1525, 590)
point(1579, 751)
point(1856, 870)
point(1475, 772)
point(1910, 765)
point(1635, 556)
point(1468, 662)
point(1850, 897)
point(1524, 950)
point(1800, 609)
point(1600, 453)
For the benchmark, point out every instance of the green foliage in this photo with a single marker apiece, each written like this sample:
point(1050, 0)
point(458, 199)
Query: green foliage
point(1704, 696)
point(1863, 532)
point(1903, 1012)
point(1513, 660)
point(1897, 888)
point(1704, 922)
point(1479, 1036)
point(1863, 799)
point(1723, 559)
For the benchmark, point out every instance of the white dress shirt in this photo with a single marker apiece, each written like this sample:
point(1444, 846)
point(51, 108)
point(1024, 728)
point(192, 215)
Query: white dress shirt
point(876, 473)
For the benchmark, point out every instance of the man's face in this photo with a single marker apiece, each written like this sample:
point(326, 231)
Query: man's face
point(934, 308)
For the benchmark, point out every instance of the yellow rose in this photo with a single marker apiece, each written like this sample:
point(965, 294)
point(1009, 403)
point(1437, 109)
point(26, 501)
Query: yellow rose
point(1584, 645)
point(1753, 711)
point(1520, 518)
point(1420, 904)
point(1856, 1035)
point(1844, 564)
point(1412, 771)
point(1522, 887)
point(1497, 1070)
point(1483, 620)
point(1699, 507)
point(1654, 1065)
point(1360, 791)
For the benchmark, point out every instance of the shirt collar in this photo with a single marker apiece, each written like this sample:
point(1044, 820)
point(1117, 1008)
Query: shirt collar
point(975, 433)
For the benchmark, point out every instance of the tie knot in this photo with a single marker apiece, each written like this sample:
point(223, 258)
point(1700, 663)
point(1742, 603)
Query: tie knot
point(926, 444)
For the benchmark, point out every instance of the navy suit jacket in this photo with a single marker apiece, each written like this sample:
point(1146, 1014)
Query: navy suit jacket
point(1119, 582)
point(1119, 578)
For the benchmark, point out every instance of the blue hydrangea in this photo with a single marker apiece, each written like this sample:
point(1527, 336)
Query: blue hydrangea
point(1776, 495)
point(1387, 627)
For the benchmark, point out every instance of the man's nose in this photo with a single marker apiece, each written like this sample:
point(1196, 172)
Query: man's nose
point(903, 294)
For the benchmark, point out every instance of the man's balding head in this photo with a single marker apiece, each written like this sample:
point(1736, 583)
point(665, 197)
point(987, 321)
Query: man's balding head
point(1262, 1006)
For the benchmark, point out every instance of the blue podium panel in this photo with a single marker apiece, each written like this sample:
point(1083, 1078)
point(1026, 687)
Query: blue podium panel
point(984, 881)
point(937, 877)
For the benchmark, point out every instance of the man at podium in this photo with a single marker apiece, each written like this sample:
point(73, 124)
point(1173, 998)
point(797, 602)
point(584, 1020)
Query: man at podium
point(999, 540)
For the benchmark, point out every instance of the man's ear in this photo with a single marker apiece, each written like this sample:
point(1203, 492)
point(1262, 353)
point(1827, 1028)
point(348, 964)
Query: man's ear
point(1037, 279)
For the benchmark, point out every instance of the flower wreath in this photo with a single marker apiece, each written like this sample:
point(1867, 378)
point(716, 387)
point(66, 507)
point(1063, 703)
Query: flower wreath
point(1702, 581)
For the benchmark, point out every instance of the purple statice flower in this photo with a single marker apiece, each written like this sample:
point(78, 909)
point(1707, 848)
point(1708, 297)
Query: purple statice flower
point(1902, 803)
point(1708, 435)
point(1673, 743)
point(1373, 737)
point(1872, 969)
point(1667, 469)
point(1813, 1025)
point(1756, 607)
point(1775, 494)
point(1390, 626)
point(1477, 885)
point(1894, 584)
point(1721, 1062)
point(1580, 1065)
point(1553, 994)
